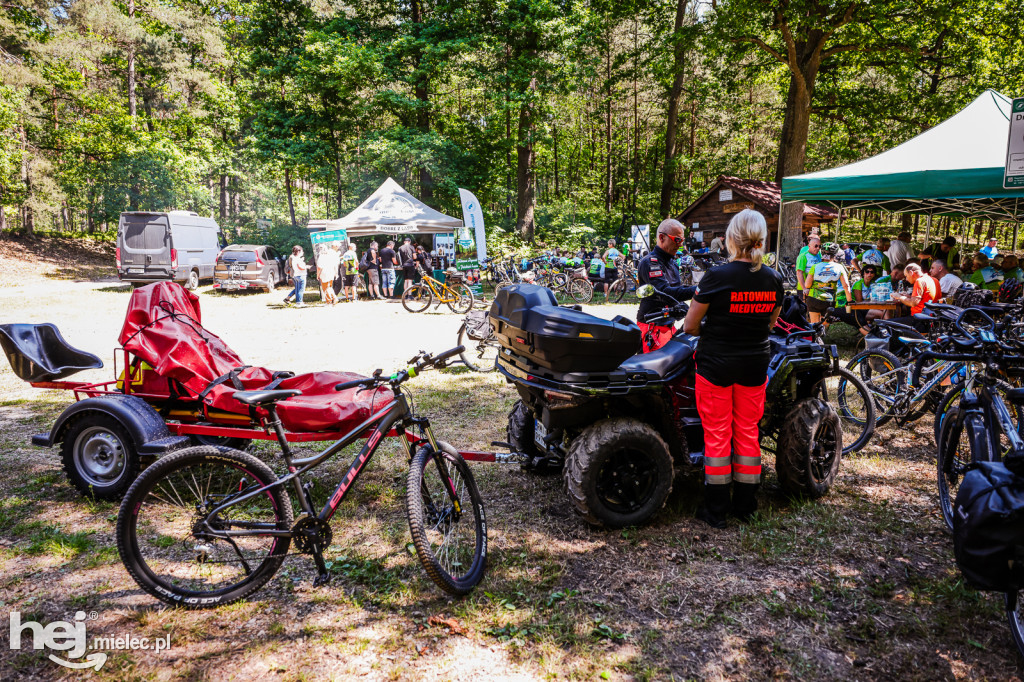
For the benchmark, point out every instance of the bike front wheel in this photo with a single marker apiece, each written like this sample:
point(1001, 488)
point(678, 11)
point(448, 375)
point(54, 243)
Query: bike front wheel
point(446, 518)
point(885, 378)
point(178, 552)
point(617, 291)
point(417, 299)
point(481, 355)
point(581, 290)
point(460, 299)
point(854, 405)
point(959, 446)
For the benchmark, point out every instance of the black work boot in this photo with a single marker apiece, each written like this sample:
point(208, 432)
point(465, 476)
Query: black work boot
point(744, 500)
point(716, 505)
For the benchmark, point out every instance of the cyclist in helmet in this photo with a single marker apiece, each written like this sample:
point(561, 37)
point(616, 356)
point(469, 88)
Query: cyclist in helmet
point(985, 275)
point(824, 281)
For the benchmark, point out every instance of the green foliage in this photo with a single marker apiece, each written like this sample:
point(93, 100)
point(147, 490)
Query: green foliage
point(565, 99)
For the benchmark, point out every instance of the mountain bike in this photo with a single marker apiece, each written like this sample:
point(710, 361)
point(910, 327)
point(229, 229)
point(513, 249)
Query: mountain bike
point(457, 295)
point(209, 525)
point(985, 425)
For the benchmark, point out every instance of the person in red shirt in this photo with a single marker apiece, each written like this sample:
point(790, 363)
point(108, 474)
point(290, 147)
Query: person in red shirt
point(926, 289)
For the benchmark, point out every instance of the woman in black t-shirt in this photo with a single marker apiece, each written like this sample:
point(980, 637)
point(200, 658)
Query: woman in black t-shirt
point(738, 303)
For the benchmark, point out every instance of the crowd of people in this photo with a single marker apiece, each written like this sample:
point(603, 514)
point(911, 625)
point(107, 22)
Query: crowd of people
point(891, 272)
point(338, 269)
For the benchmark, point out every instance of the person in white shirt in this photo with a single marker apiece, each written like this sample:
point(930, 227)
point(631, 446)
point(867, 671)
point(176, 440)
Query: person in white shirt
point(948, 282)
point(899, 252)
point(717, 244)
point(297, 267)
point(327, 272)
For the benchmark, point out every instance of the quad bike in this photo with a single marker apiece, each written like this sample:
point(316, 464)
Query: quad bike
point(620, 423)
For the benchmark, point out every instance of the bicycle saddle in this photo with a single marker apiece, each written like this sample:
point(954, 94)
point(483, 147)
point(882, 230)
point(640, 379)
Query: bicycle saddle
point(263, 397)
point(1016, 395)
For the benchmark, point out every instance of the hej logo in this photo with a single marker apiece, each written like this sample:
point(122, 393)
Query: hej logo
point(58, 636)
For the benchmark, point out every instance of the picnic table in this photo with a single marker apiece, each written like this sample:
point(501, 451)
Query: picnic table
point(876, 305)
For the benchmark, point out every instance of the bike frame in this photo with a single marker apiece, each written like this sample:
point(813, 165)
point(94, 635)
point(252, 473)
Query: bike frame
point(995, 416)
point(947, 370)
point(396, 415)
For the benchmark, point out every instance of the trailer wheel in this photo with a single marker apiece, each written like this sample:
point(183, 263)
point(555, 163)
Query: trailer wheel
point(193, 280)
point(99, 457)
point(222, 441)
point(810, 448)
point(618, 473)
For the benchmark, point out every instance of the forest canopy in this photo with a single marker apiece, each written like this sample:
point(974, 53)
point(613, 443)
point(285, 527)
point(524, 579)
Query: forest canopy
point(566, 118)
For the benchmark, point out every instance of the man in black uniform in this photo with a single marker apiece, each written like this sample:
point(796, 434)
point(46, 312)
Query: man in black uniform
point(658, 268)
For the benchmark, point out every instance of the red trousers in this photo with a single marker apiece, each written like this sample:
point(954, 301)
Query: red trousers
point(654, 336)
point(729, 415)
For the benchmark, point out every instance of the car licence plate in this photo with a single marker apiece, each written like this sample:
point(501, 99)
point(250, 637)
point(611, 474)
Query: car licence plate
point(134, 271)
point(236, 267)
point(539, 434)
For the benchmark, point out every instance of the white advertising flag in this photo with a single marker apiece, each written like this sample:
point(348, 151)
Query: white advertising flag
point(473, 218)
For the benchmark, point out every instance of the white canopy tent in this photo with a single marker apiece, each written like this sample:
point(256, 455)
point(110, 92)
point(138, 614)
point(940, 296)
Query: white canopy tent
point(390, 210)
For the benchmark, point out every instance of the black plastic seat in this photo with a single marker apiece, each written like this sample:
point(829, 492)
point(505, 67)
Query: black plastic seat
point(942, 306)
point(264, 397)
point(37, 352)
point(662, 361)
point(1016, 395)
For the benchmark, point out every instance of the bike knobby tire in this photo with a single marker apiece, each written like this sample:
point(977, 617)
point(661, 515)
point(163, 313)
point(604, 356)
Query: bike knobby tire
point(481, 355)
point(960, 444)
point(885, 377)
point(160, 527)
point(464, 301)
point(855, 406)
point(450, 535)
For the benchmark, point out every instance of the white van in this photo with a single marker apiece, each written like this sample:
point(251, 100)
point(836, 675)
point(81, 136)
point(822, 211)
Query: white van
point(179, 246)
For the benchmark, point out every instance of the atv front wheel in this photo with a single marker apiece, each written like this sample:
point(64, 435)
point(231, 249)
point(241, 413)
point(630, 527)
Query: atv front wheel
point(618, 473)
point(810, 448)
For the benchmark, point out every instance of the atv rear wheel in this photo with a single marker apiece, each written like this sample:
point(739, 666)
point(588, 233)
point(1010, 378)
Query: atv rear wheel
point(810, 449)
point(520, 430)
point(618, 473)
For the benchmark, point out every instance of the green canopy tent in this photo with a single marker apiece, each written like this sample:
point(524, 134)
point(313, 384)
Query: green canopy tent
point(954, 168)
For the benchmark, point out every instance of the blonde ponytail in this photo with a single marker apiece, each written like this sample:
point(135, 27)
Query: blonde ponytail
point(747, 237)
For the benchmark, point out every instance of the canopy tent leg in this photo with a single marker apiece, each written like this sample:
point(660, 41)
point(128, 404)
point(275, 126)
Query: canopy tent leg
point(839, 224)
point(927, 230)
point(1016, 227)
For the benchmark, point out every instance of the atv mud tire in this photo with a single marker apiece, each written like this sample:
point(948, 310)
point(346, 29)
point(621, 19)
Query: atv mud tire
point(810, 448)
point(520, 430)
point(618, 473)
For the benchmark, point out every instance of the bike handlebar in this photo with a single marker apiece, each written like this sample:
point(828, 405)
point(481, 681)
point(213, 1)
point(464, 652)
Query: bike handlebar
point(416, 365)
point(957, 357)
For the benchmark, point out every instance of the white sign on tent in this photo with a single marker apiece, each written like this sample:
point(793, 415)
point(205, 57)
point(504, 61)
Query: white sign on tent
point(1014, 174)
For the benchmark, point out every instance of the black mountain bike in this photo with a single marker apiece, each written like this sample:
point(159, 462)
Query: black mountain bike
point(986, 425)
point(209, 525)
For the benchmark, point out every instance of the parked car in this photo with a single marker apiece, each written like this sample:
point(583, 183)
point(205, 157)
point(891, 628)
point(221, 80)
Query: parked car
point(248, 266)
point(178, 246)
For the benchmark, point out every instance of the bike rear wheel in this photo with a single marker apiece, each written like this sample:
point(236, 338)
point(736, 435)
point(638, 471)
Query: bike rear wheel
point(1015, 618)
point(481, 355)
point(449, 531)
point(417, 299)
point(170, 545)
point(617, 291)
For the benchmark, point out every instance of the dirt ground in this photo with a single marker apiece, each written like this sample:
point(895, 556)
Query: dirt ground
point(860, 585)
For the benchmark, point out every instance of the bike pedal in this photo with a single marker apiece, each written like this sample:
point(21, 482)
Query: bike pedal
point(321, 579)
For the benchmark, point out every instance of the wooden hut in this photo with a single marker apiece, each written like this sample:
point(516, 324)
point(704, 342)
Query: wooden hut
point(709, 215)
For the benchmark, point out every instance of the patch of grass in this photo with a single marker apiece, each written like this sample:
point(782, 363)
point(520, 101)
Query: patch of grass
point(44, 538)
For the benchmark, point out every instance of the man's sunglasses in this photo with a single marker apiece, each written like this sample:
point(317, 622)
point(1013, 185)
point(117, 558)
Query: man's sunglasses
point(677, 240)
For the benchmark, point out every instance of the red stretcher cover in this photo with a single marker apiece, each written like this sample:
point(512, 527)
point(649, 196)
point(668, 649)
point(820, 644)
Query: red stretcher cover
point(163, 329)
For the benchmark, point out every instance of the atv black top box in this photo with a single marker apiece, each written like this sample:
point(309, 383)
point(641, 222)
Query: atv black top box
point(527, 321)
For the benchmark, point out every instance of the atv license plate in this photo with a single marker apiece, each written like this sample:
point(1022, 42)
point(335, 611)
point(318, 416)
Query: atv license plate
point(539, 434)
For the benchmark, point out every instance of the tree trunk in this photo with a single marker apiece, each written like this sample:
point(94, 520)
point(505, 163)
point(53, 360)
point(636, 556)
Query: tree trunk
point(526, 174)
point(609, 181)
point(793, 143)
point(423, 110)
point(291, 203)
point(554, 146)
point(131, 65)
point(672, 118)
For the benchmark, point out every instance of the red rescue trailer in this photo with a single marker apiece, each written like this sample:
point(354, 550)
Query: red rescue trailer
point(174, 391)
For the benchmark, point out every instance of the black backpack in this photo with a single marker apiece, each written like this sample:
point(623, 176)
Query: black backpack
point(988, 528)
point(363, 265)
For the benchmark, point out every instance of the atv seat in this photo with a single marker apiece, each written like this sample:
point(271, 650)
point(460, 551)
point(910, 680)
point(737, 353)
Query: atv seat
point(37, 352)
point(661, 362)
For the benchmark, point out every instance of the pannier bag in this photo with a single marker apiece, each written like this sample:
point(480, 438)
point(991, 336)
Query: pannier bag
point(478, 325)
point(988, 528)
